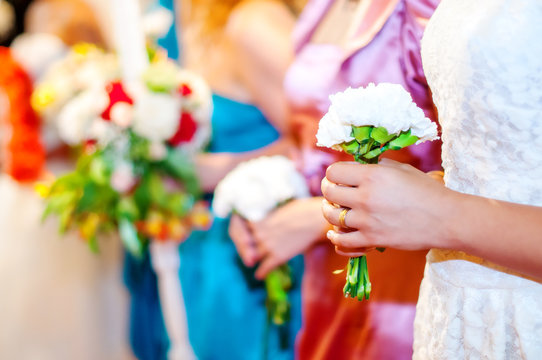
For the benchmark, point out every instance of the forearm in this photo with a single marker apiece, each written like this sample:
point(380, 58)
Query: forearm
point(504, 233)
point(282, 146)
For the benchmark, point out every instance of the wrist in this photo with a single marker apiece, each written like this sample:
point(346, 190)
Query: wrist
point(454, 216)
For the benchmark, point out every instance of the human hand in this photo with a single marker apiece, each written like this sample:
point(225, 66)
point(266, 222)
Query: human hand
point(212, 167)
point(286, 232)
point(391, 205)
point(241, 235)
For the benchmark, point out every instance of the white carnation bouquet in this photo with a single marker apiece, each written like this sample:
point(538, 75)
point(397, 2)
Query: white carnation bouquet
point(252, 190)
point(365, 122)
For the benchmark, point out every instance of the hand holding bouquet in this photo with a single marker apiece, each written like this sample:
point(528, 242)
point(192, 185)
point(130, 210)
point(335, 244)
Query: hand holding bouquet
point(252, 190)
point(366, 122)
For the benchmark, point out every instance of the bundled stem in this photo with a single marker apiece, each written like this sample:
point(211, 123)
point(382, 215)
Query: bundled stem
point(277, 284)
point(368, 144)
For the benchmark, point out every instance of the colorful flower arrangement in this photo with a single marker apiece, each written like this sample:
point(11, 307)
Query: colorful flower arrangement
point(366, 122)
point(83, 68)
point(24, 156)
point(135, 173)
point(253, 189)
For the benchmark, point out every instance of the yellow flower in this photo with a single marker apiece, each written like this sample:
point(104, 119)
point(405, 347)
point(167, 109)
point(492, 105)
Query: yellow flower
point(201, 217)
point(176, 229)
point(83, 49)
point(88, 227)
point(154, 224)
point(42, 189)
point(42, 97)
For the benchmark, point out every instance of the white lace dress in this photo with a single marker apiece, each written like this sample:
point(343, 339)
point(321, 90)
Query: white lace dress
point(483, 61)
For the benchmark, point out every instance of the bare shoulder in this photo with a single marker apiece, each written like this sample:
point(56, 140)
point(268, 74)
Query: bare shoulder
point(251, 17)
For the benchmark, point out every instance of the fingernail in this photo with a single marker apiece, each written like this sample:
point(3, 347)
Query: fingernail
point(330, 234)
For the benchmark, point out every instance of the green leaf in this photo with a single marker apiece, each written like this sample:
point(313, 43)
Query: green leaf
point(178, 164)
point(373, 153)
point(180, 204)
point(93, 245)
point(129, 237)
point(127, 209)
point(380, 134)
point(142, 195)
point(65, 217)
point(98, 171)
point(69, 182)
point(362, 133)
point(273, 285)
point(58, 202)
point(402, 141)
point(161, 77)
point(157, 191)
point(350, 147)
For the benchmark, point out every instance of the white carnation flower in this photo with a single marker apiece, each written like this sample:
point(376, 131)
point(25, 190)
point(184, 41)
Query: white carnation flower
point(156, 115)
point(122, 114)
point(332, 132)
point(256, 187)
point(384, 105)
point(103, 131)
point(78, 115)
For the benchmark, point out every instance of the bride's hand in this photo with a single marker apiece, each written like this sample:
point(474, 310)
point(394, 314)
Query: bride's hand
point(391, 205)
point(287, 232)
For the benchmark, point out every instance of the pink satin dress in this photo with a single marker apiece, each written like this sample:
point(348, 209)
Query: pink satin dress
point(386, 48)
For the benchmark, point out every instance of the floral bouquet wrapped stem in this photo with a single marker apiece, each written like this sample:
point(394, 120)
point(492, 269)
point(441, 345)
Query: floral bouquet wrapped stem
point(252, 190)
point(364, 123)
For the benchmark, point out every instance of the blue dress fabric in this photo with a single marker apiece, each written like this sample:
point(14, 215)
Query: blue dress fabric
point(170, 41)
point(226, 313)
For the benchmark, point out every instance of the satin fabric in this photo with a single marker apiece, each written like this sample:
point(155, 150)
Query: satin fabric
point(385, 48)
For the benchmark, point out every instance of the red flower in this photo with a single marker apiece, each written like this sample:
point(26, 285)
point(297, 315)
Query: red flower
point(116, 94)
point(185, 132)
point(184, 90)
point(24, 153)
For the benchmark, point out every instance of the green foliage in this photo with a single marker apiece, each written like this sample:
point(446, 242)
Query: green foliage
point(130, 238)
point(161, 77)
point(85, 199)
point(277, 283)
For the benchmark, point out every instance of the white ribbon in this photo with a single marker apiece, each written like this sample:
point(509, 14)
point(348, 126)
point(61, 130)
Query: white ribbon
point(166, 262)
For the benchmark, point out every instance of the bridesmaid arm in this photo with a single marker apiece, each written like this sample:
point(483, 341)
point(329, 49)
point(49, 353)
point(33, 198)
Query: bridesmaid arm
point(260, 32)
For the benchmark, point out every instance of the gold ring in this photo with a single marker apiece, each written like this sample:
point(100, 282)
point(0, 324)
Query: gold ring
point(342, 217)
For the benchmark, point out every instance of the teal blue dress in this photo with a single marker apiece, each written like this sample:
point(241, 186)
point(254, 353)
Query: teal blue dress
point(225, 305)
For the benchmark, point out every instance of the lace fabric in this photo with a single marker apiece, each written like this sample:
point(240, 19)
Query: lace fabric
point(483, 63)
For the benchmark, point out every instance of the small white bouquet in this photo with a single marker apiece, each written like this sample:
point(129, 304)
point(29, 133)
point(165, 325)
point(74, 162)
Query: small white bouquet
point(252, 190)
point(365, 122)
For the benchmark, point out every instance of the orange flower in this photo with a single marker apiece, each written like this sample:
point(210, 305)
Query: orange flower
point(201, 217)
point(177, 230)
point(25, 156)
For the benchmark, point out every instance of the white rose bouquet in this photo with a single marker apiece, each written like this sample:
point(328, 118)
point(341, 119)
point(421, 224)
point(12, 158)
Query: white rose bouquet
point(252, 190)
point(365, 122)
